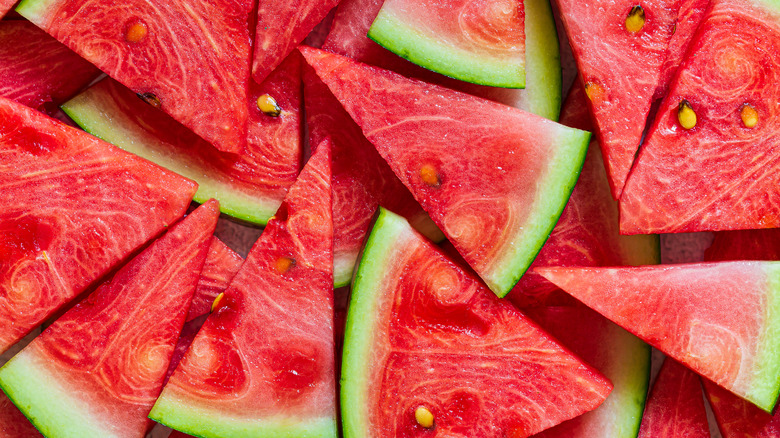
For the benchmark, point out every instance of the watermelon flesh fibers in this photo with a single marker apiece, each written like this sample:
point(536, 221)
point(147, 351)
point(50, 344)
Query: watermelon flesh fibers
point(222, 264)
point(61, 231)
point(13, 424)
point(497, 223)
point(99, 368)
point(738, 418)
point(722, 320)
point(263, 362)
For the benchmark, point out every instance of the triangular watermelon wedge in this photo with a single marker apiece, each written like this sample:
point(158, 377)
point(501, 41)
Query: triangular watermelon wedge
point(99, 368)
point(425, 339)
point(738, 418)
point(722, 320)
point(191, 59)
point(493, 178)
point(720, 169)
point(36, 70)
point(263, 363)
point(281, 26)
point(675, 407)
point(72, 207)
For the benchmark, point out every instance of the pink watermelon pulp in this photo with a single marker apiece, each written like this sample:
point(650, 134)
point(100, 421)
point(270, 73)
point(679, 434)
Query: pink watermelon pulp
point(222, 264)
point(60, 230)
point(5, 6)
point(424, 334)
point(35, 69)
point(493, 178)
point(189, 59)
point(13, 424)
point(263, 363)
point(719, 319)
point(250, 186)
point(738, 418)
point(675, 407)
point(728, 80)
point(98, 370)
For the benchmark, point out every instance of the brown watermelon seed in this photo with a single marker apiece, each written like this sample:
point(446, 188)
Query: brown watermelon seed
point(749, 115)
point(268, 106)
point(686, 115)
point(217, 302)
point(424, 417)
point(636, 19)
point(136, 32)
point(151, 99)
point(429, 175)
point(284, 264)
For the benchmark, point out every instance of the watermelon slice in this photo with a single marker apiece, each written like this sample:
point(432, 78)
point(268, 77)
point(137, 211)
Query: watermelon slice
point(542, 93)
point(99, 368)
point(722, 320)
point(222, 264)
point(689, 16)
point(675, 407)
point(745, 245)
point(425, 338)
point(72, 208)
point(738, 418)
point(621, 356)
point(13, 424)
point(482, 42)
point(443, 145)
point(362, 180)
point(191, 59)
point(587, 233)
point(727, 88)
point(263, 363)
point(281, 26)
point(35, 69)
point(250, 186)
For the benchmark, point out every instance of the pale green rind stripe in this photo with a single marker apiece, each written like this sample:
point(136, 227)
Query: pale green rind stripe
point(764, 387)
point(394, 34)
point(543, 93)
point(552, 194)
point(56, 411)
point(34, 10)
point(630, 374)
point(92, 110)
point(386, 235)
point(207, 423)
point(343, 266)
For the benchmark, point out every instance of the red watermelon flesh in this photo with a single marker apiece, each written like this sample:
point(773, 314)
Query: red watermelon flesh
point(5, 6)
point(222, 264)
point(587, 233)
point(36, 69)
point(675, 407)
point(477, 167)
point(72, 208)
point(264, 361)
point(738, 418)
point(689, 16)
point(13, 424)
point(99, 368)
point(362, 180)
point(744, 245)
point(281, 26)
point(719, 319)
point(721, 174)
point(191, 59)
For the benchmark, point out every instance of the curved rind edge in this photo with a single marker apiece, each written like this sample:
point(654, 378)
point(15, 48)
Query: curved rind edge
point(635, 365)
point(543, 95)
point(765, 385)
point(396, 36)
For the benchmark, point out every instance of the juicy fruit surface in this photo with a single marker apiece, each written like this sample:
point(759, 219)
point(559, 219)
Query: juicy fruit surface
point(222, 264)
point(62, 229)
point(13, 424)
point(99, 368)
point(675, 408)
point(36, 69)
point(738, 418)
point(719, 319)
point(745, 245)
point(281, 26)
point(621, 70)
point(203, 87)
point(587, 233)
point(689, 16)
point(479, 41)
point(250, 186)
point(422, 332)
point(499, 223)
point(362, 180)
point(5, 6)
point(263, 361)
point(721, 174)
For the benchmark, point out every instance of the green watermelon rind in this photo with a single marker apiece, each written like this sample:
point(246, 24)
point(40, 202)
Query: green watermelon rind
point(34, 10)
point(93, 113)
point(765, 385)
point(631, 377)
point(552, 196)
point(387, 230)
point(39, 395)
point(199, 421)
point(394, 34)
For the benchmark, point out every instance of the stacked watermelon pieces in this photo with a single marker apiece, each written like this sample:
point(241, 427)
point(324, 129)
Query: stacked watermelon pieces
point(499, 271)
